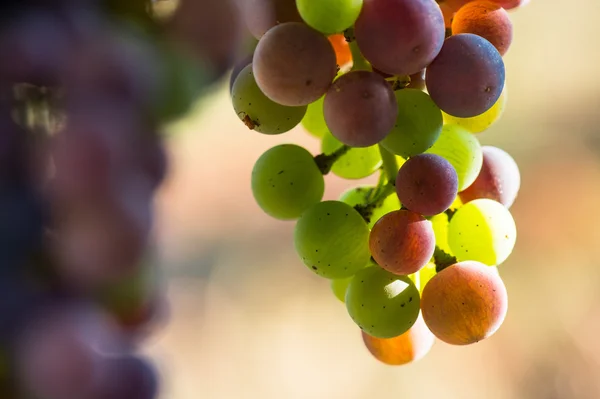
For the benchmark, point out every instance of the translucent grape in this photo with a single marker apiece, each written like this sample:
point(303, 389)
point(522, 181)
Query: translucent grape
point(427, 184)
point(339, 287)
point(262, 15)
point(418, 124)
point(464, 303)
point(499, 178)
point(486, 19)
point(426, 274)
point(467, 77)
point(286, 181)
point(440, 225)
point(462, 150)
point(400, 37)
point(294, 64)
point(332, 239)
point(402, 242)
point(409, 347)
point(314, 120)
point(382, 304)
point(480, 123)
point(257, 111)
point(360, 108)
point(482, 230)
point(329, 16)
point(357, 163)
point(362, 195)
point(343, 55)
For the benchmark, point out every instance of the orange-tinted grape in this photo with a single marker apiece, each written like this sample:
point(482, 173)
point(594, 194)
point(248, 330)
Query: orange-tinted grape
point(464, 303)
point(343, 55)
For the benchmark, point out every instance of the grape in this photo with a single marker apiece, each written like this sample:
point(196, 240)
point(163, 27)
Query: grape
point(482, 230)
point(360, 108)
point(440, 225)
point(257, 111)
point(418, 124)
point(426, 274)
point(464, 303)
point(239, 67)
point(286, 181)
point(467, 76)
point(486, 19)
point(314, 120)
point(417, 81)
point(262, 15)
point(498, 180)
point(329, 16)
point(400, 37)
point(448, 13)
point(479, 123)
point(382, 304)
point(427, 184)
point(462, 150)
point(339, 287)
point(357, 163)
point(409, 347)
point(402, 242)
point(126, 377)
point(362, 196)
point(332, 239)
point(343, 55)
point(293, 64)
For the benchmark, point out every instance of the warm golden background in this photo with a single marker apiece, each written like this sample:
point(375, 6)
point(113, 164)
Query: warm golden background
point(248, 320)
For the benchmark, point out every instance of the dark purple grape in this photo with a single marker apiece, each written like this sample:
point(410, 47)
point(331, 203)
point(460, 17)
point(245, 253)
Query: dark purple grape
point(427, 184)
point(499, 178)
point(294, 64)
point(467, 77)
point(360, 108)
point(127, 377)
point(400, 37)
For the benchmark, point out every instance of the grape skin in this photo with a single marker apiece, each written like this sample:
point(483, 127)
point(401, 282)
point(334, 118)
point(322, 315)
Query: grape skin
point(329, 16)
point(357, 163)
point(480, 123)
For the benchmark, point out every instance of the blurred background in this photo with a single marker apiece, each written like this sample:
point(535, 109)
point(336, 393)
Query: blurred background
point(248, 320)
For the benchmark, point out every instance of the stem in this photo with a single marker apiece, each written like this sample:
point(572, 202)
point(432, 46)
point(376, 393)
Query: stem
point(325, 162)
point(450, 212)
point(390, 165)
point(382, 192)
point(442, 259)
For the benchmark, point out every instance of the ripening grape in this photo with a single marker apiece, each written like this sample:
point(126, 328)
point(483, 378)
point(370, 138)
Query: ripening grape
point(486, 19)
point(314, 120)
point(360, 108)
point(427, 184)
point(262, 15)
point(357, 163)
point(462, 150)
point(239, 67)
point(499, 178)
point(286, 181)
point(464, 303)
point(440, 225)
point(382, 304)
point(409, 347)
point(479, 123)
point(343, 55)
point(417, 81)
point(467, 77)
point(331, 237)
point(329, 16)
point(294, 64)
point(402, 242)
point(417, 126)
point(400, 37)
point(363, 195)
point(448, 13)
point(257, 111)
point(482, 230)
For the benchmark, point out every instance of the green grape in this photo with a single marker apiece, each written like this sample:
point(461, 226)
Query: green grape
point(418, 124)
point(332, 239)
point(426, 274)
point(329, 16)
point(357, 163)
point(462, 150)
point(314, 120)
point(257, 111)
point(339, 287)
point(479, 123)
point(440, 228)
point(286, 181)
point(382, 304)
point(360, 196)
point(482, 230)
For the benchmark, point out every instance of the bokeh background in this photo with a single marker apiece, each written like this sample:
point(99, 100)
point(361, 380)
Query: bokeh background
point(248, 320)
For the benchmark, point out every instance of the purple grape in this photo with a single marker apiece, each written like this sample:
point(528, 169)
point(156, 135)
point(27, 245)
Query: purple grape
point(262, 15)
point(400, 37)
point(427, 184)
point(360, 108)
point(127, 377)
point(467, 77)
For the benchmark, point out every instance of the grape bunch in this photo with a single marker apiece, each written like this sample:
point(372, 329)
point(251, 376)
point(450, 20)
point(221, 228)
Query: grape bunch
point(403, 88)
point(86, 88)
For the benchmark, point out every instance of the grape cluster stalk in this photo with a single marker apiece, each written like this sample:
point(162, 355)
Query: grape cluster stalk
point(401, 88)
point(87, 88)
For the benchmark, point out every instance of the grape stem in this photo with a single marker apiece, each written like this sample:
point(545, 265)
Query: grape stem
point(442, 259)
point(325, 162)
point(378, 195)
point(359, 63)
point(450, 212)
point(390, 165)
